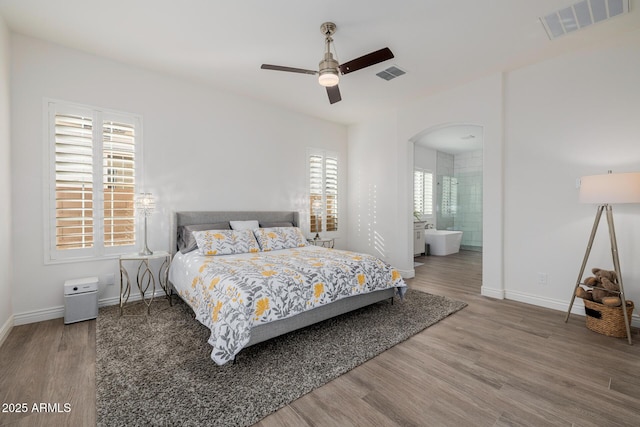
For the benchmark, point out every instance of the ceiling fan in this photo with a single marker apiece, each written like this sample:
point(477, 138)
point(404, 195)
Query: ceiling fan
point(329, 70)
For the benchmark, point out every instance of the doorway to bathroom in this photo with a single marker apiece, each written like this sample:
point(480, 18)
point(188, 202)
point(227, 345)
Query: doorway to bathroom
point(453, 154)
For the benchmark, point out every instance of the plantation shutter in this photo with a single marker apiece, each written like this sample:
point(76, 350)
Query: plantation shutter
point(315, 191)
point(323, 192)
point(93, 158)
point(331, 194)
point(118, 179)
point(73, 182)
point(418, 192)
point(423, 192)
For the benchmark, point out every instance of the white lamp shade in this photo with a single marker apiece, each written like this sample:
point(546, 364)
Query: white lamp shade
point(611, 188)
point(145, 203)
point(328, 79)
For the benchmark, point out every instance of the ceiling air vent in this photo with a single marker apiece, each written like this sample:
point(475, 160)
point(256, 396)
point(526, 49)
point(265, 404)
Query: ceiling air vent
point(391, 73)
point(582, 14)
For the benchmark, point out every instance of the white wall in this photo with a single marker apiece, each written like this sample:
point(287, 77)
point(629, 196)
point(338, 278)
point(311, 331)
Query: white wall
point(204, 149)
point(373, 177)
point(574, 115)
point(544, 126)
point(6, 257)
point(381, 153)
point(477, 103)
point(571, 116)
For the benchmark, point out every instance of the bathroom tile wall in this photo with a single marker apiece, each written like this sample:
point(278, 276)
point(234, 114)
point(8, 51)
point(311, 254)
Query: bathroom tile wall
point(444, 167)
point(468, 218)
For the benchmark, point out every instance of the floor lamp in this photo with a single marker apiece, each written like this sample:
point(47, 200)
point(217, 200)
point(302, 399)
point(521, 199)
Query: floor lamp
point(605, 190)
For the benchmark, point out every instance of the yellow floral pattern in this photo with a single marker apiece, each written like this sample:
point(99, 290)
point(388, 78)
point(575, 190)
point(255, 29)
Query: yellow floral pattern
point(226, 242)
point(261, 306)
point(230, 294)
point(216, 311)
point(276, 238)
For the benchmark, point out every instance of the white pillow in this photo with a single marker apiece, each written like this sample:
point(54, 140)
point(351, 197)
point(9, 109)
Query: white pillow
point(243, 225)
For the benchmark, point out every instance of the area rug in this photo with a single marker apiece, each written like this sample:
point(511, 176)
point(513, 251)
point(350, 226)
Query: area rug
point(156, 369)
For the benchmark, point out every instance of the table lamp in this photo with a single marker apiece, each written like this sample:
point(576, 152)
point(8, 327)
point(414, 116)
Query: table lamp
point(317, 210)
point(145, 205)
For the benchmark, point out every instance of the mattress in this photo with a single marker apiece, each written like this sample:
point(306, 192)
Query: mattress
point(231, 294)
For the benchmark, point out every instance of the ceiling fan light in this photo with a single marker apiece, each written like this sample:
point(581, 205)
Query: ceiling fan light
point(328, 79)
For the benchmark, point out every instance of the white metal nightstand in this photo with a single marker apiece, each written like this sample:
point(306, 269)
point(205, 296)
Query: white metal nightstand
point(325, 243)
point(145, 278)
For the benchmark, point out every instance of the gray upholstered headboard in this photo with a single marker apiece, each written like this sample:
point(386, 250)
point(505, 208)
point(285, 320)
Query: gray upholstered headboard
point(209, 217)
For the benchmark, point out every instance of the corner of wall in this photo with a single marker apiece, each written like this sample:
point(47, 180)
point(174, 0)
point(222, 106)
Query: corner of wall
point(6, 252)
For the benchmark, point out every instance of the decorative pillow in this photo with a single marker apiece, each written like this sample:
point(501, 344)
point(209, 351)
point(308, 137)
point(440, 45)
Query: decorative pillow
point(226, 242)
point(275, 224)
point(272, 239)
point(186, 241)
point(243, 225)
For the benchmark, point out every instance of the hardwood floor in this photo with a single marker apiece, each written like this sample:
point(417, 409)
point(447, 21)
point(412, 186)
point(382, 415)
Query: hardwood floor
point(494, 363)
point(49, 363)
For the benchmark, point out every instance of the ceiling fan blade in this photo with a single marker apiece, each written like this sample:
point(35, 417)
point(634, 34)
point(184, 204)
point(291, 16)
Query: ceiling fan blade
point(334, 94)
point(289, 69)
point(366, 60)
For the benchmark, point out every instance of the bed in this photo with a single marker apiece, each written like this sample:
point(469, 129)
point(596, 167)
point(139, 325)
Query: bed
point(271, 287)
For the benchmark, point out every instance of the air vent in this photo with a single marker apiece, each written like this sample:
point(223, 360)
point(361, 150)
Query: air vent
point(582, 14)
point(391, 73)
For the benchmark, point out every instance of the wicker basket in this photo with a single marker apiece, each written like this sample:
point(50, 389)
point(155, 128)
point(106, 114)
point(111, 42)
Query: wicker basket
point(607, 320)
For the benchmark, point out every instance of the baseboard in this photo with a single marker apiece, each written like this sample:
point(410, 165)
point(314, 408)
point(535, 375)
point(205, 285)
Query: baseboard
point(58, 312)
point(492, 292)
point(5, 330)
point(38, 315)
point(554, 304)
point(407, 274)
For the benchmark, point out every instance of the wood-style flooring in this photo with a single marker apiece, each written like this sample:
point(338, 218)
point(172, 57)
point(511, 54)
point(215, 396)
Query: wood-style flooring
point(494, 363)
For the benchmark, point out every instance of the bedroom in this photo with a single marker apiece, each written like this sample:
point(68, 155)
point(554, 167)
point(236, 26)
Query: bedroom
point(547, 123)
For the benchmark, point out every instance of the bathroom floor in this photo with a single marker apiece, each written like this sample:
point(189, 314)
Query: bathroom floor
point(462, 271)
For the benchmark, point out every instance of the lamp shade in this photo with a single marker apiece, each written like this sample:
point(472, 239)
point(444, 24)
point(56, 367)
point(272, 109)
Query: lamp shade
point(145, 204)
point(328, 79)
point(611, 188)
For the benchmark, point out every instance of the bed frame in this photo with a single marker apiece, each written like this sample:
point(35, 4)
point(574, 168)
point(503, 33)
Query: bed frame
point(270, 330)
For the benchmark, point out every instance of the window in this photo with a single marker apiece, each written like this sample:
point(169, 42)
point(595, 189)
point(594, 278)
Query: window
point(323, 191)
point(93, 158)
point(422, 192)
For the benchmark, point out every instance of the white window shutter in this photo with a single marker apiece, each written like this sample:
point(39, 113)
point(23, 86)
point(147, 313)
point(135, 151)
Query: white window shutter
point(74, 193)
point(93, 159)
point(323, 191)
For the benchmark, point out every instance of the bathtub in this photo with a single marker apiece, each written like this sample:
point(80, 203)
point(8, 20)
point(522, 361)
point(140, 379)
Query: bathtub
point(443, 242)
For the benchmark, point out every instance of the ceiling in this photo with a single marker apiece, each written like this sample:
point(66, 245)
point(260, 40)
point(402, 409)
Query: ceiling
point(454, 139)
point(439, 43)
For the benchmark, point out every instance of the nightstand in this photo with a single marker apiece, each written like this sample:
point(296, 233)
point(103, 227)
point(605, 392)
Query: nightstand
point(325, 243)
point(145, 278)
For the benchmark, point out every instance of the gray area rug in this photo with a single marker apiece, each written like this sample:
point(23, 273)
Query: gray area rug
point(156, 370)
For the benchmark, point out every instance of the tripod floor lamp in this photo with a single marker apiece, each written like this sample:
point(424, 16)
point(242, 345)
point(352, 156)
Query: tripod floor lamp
point(606, 190)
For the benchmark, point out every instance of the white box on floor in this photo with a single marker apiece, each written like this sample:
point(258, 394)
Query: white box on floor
point(80, 299)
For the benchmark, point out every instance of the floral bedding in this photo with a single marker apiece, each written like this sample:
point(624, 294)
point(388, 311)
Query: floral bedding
point(232, 293)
